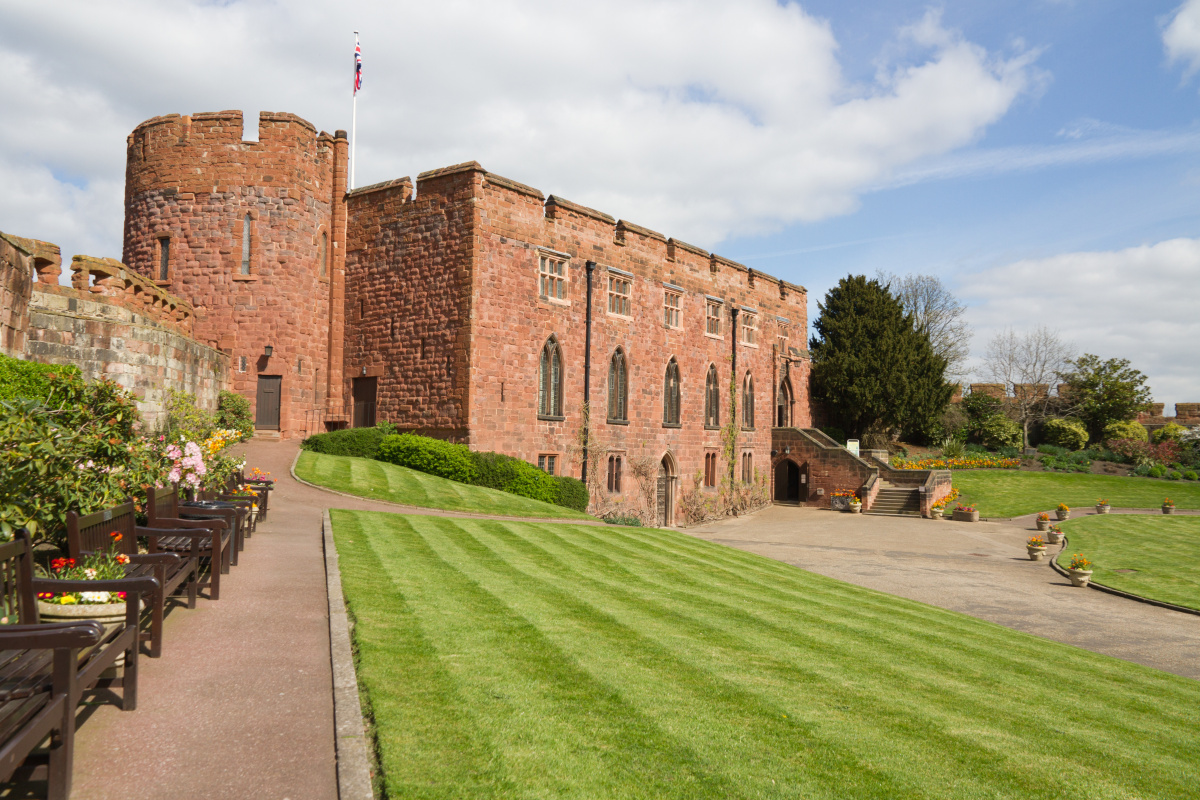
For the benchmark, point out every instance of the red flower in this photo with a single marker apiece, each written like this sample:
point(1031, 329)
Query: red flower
point(45, 595)
point(60, 563)
point(116, 536)
point(121, 595)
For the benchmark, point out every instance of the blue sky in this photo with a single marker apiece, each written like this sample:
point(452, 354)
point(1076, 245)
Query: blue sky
point(1040, 157)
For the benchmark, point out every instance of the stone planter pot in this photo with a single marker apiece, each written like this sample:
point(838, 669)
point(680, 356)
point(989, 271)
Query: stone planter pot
point(936, 513)
point(1103, 509)
point(839, 503)
point(1168, 509)
point(1063, 514)
point(1079, 577)
point(966, 516)
point(1053, 538)
point(110, 615)
point(1043, 524)
point(1036, 553)
point(856, 508)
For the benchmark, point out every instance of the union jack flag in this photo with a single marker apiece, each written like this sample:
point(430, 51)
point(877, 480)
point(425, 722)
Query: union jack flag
point(357, 66)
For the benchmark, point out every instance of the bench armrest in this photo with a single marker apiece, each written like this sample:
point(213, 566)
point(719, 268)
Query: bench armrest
point(208, 523)
point(169, 559)
point(83, 633)
point(142, 585)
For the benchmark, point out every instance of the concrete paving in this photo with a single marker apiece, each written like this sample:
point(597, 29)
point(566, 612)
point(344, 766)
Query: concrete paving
point(978, 568)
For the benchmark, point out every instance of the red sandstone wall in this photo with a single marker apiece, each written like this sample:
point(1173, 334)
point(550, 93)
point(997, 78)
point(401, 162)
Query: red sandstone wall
point(193, 179)
point(511, 323)
point(408, 301)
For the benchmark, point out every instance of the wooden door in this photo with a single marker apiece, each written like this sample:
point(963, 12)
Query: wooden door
point(266, 404)
point(364, 401)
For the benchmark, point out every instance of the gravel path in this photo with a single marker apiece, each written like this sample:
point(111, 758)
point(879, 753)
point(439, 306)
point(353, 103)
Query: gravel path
point(977, 568)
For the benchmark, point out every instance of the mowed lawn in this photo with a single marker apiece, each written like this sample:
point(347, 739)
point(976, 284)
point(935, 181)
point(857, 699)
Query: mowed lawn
point(1163, 551)
point(1011, 493)
point(378, 480)
point(510, 659)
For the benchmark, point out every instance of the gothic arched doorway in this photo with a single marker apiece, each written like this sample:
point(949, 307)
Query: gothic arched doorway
point(783, 404)
point(666, 491)
point(791, 482)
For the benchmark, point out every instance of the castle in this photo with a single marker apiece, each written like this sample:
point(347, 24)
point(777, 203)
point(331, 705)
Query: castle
point(466, 306)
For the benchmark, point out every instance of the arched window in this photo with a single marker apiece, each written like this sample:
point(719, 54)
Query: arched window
point(671, 394)
point(712, 399)
point(748, 402)
point(323, 256)
point(618, 387)
point(614, 474)
point(246, 245)
point(550, 380)
point(783, 405)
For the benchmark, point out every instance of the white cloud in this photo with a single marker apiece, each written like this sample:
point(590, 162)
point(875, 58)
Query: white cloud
point(1181, 36)
point(1137, 303)
point(701, 119)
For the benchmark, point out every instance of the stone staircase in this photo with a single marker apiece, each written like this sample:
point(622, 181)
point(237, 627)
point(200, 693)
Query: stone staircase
point(896, 501)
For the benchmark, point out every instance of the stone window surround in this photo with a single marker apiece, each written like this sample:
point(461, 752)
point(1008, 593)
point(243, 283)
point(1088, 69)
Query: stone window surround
point(712, 320)
point(322, 231)
point(548, 463)
point(749, 327)
point(545, 253)
point(617, 277)
point(160, 279)
point(676, 293)
point(255, 244)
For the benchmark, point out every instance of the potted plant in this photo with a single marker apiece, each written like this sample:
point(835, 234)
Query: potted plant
point(855, 505)
point(1080, 570)
point(842, 500)
point(1043, 520)
point(966, 513)
point(1102, 506)
point(1063, 511)
point(105, 607)
point(937, 510)
point(1168, 506)
point(1054, 535)
point(1036, 548)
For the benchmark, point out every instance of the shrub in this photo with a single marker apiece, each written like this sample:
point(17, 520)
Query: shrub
point(1190, 475)
point(233, 412)
point(951, 448)
point(1009, 452)
point(1142, 452)
point(432, 456)
point(357, 442)
point(184, 419)
point(999, 431)
point(1068, 433)
point(1157, 471)
point(573, 494)
point(512, 475)
point(618, 519)
point(1052, 450)
point(1174, 475)
point(28, 378)
point(1169, 432)
point(1066, 464)
point(1142, 470)
point(835, 433)
point(1126, 429)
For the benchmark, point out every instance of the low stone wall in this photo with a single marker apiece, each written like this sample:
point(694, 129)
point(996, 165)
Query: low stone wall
point(111, 323)
point(105, 339)
point(830, 466)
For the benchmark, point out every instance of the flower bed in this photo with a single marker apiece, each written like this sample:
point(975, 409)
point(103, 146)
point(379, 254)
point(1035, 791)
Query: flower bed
point(965, 462)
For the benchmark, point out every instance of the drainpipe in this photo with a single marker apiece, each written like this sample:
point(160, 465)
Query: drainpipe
point(733, 315)
point(587, 369)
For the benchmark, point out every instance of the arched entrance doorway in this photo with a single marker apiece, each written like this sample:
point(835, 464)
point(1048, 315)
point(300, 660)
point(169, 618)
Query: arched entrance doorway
point(783, 404)
point(791, 482)
point(666, 491)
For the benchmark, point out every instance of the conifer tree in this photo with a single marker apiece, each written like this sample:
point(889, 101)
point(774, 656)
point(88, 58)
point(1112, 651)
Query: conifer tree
point(871, 367)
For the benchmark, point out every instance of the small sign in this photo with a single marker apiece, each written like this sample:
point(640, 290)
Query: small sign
point(852, 446)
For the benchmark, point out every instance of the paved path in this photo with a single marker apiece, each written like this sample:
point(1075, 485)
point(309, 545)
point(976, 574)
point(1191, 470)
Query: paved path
point(977, 568)
point(240, 705)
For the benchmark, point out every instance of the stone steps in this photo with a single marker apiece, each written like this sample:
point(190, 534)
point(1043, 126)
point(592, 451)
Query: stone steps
point(895, 501)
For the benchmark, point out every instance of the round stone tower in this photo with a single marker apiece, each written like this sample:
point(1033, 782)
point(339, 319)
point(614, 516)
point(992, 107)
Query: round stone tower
point(253, 235)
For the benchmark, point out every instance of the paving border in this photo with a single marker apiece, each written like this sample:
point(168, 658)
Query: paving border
point(351, 743)
point(424, 511)
point(1054, 565)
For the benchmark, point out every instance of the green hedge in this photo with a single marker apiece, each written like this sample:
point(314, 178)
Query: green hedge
point(28, 378)
point(358, 442)
point(571, 493)
point(1126, 429)
point(432, 456)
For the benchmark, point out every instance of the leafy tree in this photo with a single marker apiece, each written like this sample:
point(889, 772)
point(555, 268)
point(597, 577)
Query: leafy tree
point(871, 367)
point(979, 408)
point(1105, 391)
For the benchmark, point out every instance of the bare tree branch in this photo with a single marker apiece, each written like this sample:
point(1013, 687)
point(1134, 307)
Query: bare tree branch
point(938, 314)
point(1028, 365)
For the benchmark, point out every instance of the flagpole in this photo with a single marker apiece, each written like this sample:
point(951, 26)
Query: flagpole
point(353, 125)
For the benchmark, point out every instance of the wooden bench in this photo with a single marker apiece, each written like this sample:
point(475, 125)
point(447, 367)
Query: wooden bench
point(39, 685)
point(263, 487)
point(212, 534)
point(93, 533)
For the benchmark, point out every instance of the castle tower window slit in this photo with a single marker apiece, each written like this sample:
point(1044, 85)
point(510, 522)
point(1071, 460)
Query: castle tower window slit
point(246, 245)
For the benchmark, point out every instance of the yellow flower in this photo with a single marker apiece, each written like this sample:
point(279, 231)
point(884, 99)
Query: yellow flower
point(67, 599)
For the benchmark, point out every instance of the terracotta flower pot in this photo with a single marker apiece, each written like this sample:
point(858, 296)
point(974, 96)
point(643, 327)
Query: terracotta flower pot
point(1043, 524)
point(110, 615)
point(1103, 509)
point(1063, 514)
point(1079, 577)
point(1036, 553)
